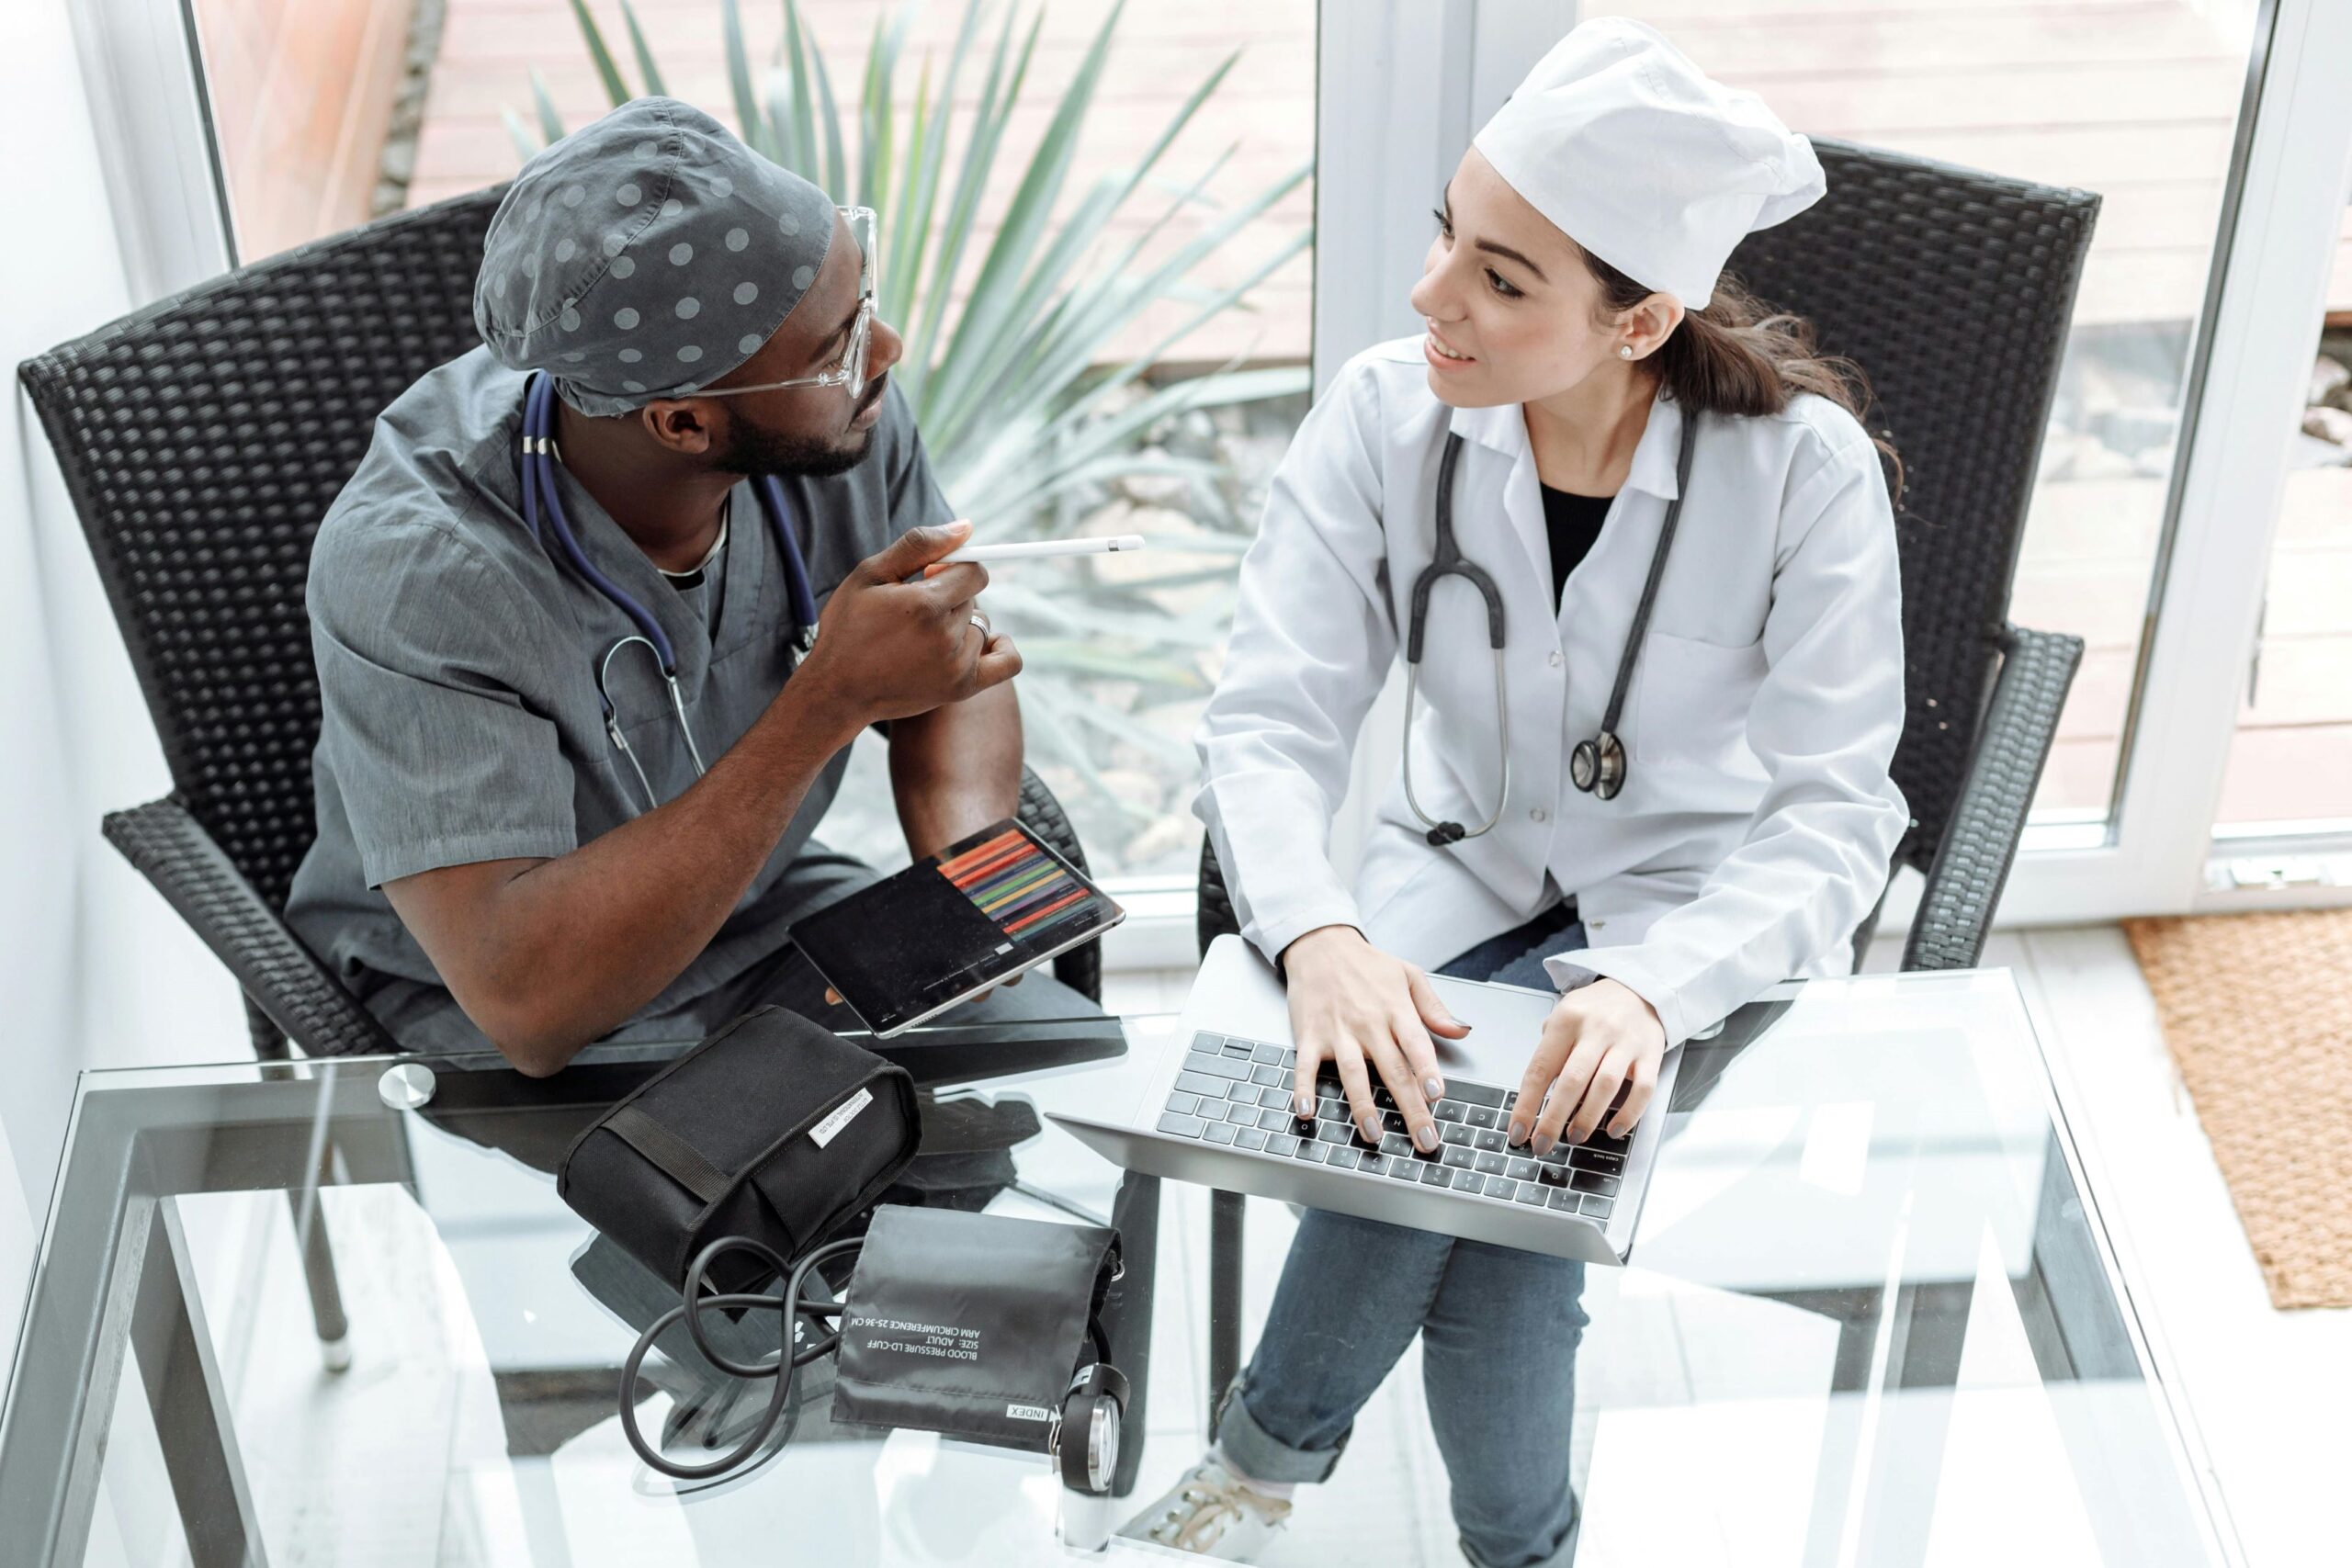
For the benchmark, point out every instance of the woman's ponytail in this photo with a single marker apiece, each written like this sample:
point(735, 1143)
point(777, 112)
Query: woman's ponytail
point(1735, 358)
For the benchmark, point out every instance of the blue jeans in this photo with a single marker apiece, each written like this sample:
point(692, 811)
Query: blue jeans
point(1498, 1333)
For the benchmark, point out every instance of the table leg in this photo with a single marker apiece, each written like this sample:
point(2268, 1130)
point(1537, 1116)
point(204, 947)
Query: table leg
point(319, 1278)
point(189, 1403)
point(1226, 1211)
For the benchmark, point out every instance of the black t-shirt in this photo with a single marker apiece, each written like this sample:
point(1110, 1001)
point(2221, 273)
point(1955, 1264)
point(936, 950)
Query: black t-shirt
point(1574, 522)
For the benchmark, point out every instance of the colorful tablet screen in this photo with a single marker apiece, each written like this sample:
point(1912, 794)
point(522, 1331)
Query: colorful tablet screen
point(1013, 880)
point(979, 911)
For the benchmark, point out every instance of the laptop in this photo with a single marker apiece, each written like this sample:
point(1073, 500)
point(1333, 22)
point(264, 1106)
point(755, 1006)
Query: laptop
point(1216, 1111)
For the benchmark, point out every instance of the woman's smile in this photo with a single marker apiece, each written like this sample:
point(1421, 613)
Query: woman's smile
point(1442, 354)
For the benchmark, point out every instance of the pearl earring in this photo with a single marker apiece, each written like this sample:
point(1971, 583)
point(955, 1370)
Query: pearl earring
point(1624, 351)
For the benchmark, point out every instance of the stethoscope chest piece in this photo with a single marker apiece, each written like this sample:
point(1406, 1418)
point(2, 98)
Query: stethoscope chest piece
point(1598, 766)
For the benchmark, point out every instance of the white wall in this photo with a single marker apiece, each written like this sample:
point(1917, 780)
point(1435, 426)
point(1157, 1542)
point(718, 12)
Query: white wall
point(95, 971)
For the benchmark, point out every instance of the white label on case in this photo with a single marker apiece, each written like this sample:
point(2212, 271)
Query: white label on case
point(839, 1117)
point(1027, 1413)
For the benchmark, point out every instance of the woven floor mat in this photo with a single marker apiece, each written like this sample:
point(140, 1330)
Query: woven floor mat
point(2258, 1011)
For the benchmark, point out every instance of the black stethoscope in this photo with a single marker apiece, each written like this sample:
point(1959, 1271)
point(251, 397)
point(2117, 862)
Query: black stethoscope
point(1596, 766)
point(540, 500)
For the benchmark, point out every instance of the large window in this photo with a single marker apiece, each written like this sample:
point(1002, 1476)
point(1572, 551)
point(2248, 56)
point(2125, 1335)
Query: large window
point(374, 104)
point(1170, 386)
point(2135, 99)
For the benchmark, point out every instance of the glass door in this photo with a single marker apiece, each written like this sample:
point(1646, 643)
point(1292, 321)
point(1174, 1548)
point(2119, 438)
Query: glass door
point(2145, 103)
point(2237, 783)
point(2282, 829)
point(2289, 770)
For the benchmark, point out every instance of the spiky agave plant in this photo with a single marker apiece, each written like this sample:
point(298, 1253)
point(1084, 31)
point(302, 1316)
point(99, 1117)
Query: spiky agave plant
point(1023, 414)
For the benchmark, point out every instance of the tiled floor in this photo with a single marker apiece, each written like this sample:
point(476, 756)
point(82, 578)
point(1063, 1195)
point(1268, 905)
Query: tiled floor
point(344, 1477)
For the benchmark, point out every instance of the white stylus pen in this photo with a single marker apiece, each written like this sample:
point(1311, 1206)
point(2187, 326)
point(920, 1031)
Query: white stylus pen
point(1029, 549)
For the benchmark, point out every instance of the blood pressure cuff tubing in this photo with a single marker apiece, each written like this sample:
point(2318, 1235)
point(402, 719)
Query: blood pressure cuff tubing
point(970, 1325)
point(773, 1128)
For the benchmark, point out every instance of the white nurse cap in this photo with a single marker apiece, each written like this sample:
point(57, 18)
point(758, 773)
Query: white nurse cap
point(1640, 157)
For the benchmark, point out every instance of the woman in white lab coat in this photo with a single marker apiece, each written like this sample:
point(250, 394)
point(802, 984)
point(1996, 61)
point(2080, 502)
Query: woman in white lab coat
point(1577, 320)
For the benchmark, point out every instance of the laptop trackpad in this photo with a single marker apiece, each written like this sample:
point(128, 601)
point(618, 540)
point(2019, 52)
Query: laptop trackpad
point(1505, 1022)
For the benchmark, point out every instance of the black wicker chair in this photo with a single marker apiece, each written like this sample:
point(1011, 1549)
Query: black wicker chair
point(1952, 289)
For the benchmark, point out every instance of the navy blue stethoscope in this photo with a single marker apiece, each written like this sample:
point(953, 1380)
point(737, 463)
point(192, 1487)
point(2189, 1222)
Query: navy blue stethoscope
point(540, 500)
point(1596, 766)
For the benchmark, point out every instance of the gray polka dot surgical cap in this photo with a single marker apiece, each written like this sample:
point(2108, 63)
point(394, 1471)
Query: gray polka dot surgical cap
point(646, 255)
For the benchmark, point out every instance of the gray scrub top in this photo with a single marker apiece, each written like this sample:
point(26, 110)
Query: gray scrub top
point(456, 661)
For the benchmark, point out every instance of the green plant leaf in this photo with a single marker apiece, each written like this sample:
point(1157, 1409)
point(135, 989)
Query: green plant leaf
point(908, 240)
point(1098, 437)
point(610, 74)
point(550, 122)
point(836, 173)
point(998, 95)
point(803, 129)
point(1078, 234)
point(779, 84)
point(877, 113)
point(1071, 357)
point(994, 292)
point(526, 145)
point(748, 120)
point(1094, 310)
point(896, 281)
point(645, 62)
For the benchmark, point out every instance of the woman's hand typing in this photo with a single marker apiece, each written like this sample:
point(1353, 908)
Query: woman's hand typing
point(1601, 1038)
point(1351, 1004)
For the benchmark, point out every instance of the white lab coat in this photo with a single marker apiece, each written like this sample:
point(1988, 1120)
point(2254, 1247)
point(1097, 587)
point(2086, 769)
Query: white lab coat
point(1758, 819)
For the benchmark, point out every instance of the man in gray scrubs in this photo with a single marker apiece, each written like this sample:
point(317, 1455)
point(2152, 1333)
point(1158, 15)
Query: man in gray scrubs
point(491, 862)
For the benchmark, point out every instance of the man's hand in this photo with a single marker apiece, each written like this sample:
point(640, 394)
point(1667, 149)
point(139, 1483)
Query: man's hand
point(1600, 1038)
point(890, 649)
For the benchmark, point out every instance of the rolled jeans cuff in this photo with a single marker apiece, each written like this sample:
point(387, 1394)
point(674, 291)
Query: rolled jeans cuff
point(1562, 1556)
point(1257, 1453)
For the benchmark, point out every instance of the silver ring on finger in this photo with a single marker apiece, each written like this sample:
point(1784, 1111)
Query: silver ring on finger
point(981, 622)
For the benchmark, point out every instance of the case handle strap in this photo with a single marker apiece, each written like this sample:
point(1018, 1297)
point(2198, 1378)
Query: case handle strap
point(676, 1157)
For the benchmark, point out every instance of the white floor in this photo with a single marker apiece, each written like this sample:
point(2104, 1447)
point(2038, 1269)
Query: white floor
point(2265, 1392)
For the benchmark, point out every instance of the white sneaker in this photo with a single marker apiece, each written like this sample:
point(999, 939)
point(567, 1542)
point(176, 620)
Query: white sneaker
point(1211, 1512)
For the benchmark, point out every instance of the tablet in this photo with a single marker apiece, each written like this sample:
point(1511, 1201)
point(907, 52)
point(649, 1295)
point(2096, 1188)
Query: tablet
point(953, 924)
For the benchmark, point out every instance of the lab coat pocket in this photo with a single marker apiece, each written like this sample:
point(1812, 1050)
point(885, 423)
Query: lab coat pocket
point(1691, 701)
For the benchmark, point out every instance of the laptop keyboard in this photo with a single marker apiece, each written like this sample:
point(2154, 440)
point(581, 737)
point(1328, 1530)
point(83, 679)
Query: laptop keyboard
point(1236, 1092)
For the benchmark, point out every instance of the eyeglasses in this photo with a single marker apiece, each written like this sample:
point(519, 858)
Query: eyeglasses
point(849, 371)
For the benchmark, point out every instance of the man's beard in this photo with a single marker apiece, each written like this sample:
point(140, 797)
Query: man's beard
point(754, 449)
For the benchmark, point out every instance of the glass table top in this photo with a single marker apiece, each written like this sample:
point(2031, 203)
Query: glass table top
point(1870, 1318)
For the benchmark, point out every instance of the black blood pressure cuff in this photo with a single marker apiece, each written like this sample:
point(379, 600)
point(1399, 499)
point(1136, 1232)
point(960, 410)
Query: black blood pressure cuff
point(970, 1325)
point(773, 1128)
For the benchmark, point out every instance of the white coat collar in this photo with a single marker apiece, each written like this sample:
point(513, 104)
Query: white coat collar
point(1504, 428)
